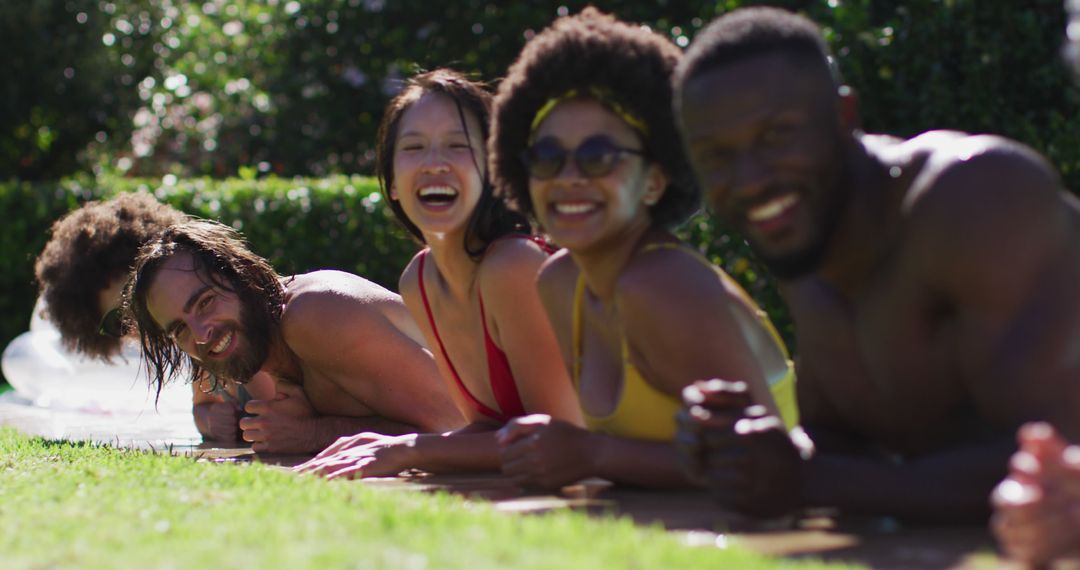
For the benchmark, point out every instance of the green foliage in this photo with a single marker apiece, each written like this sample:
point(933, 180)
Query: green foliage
point(296, 88)
point(981, 67)
point(64, 88)
point(152, 511)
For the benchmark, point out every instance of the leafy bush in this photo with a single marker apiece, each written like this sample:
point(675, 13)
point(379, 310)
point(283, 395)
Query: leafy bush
point(221, 87)
point(69, 80)
point(298, 224)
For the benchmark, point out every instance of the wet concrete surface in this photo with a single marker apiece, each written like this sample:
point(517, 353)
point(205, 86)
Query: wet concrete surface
point(874, 543)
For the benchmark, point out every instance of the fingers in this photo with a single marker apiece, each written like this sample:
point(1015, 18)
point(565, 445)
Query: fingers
point(252, 423)
point(254, 436)
point(522, 470)
point(515, 431)
point(717, 394)
point(752, 425)
point(290, 390)
point(350, 441)
point(1069, 475)
point(258, 406)
point(332, 466)
point(353, 472)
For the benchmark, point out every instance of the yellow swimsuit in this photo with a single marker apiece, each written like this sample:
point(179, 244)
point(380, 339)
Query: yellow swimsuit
point(645, 413)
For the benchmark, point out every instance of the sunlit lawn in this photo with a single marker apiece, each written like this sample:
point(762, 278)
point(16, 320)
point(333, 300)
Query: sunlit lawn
point(66, 505)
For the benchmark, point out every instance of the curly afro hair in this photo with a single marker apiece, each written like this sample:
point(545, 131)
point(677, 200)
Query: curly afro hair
point(593, 51)
point(89, 249)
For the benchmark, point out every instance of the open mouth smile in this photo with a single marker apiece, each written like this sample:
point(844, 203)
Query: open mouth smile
point(222, 344)
point(574, 208)
point(437, 195)
point(772, 210)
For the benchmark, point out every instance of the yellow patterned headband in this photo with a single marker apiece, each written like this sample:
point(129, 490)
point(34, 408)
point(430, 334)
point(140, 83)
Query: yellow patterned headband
point(602, 96)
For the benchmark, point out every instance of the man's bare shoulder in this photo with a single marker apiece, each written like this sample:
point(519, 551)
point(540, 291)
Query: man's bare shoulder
point(321, 302)
point(951, 169)
point(329, 283)
point(984, 201)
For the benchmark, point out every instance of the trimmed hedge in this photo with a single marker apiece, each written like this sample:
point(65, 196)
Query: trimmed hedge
point(298, 224)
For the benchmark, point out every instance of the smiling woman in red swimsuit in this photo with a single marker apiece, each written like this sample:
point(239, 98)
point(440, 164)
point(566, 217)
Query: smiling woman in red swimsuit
point(471, 289)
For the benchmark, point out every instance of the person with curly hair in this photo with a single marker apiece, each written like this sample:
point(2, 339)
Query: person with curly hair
point(471, 289)
point(932, 281)
point(86, 263)
point(344, 352)
point(81, 273)
point(584, 142)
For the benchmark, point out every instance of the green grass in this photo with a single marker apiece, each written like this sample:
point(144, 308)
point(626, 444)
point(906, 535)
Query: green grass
point(70, 505)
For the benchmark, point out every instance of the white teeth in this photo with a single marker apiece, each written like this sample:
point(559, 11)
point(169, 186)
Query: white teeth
point(437, 191)
point(772, 208)
point(222, 344)
point(574, 207)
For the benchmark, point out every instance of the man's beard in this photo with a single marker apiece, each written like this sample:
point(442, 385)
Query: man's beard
point(256, 326)
point(836, 196)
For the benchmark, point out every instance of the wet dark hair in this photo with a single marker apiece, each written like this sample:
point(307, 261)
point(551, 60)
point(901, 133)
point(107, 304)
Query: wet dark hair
point(222, 259)
point(491, 219)
point(89, 249)
point(751, 32)
point(593, 51)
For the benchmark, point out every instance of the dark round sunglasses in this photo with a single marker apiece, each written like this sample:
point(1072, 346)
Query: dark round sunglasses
point(595, 157)
point(112, 324)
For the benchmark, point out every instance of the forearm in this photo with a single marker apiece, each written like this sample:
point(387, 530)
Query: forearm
point(636, 462)
point(327, 429)
point(457, 452)
point(950, 486)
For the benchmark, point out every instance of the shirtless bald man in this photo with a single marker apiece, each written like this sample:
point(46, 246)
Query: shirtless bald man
point(933, 283)
point(346, 355)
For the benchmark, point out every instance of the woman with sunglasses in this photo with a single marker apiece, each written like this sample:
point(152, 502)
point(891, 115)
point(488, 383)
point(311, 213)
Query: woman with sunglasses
point(584, 141)
point(471, 289)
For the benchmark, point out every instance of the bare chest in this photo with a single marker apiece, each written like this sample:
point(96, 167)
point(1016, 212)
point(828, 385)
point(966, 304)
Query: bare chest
point(884, 364)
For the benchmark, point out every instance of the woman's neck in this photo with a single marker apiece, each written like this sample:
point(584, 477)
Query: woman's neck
point(455, 269)
point(601, 265)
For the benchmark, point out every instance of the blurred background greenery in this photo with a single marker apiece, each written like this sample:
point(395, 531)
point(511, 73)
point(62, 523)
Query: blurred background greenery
point(217, 105)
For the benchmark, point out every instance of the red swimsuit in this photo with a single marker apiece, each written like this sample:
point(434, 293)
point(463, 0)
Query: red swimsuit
point(502, 378)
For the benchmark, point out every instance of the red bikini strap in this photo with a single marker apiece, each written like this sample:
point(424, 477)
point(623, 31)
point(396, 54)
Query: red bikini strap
point(453, 371)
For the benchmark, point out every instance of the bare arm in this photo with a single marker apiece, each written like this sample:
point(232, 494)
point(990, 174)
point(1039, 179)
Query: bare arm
point(372, 455)
point(508, 280)
point(537, 450)
point(347, 340)
point(947, 487)
point(1009, 270)
point(679, 320)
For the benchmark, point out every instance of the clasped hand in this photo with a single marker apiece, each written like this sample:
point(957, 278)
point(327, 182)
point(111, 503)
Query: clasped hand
point(739, 451)
point(1037, 508)
point(285, 424)
point(538, 450)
